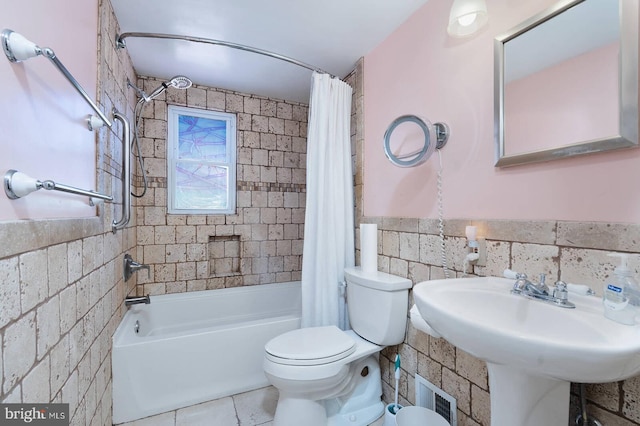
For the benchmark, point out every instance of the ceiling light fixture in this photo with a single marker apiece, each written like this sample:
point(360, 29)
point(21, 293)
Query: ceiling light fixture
point(467, 17)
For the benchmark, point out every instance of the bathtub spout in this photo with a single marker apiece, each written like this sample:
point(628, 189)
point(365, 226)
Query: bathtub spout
point(128, 301)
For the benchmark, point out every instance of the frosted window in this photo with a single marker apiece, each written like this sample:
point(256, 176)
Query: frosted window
point(201, 160)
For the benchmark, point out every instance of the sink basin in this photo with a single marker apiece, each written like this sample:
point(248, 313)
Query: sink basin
point(532, 349)
point(482, 317)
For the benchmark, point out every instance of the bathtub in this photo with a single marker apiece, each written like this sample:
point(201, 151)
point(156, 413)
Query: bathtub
point(187, 348)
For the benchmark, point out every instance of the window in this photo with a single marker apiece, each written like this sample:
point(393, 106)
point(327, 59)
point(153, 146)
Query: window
point(201, 157)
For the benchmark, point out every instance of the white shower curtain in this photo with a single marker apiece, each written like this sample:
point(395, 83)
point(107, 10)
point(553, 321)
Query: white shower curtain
point(329, 225)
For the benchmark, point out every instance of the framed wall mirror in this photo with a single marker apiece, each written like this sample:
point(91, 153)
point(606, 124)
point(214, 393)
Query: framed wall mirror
point(566, 82)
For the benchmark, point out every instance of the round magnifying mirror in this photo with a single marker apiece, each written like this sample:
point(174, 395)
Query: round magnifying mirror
point(409, 141)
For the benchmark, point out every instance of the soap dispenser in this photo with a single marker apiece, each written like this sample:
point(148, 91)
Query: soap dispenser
point(621, 296)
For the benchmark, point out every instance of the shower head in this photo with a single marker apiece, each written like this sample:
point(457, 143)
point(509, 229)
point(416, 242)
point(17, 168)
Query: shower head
point(178, 82)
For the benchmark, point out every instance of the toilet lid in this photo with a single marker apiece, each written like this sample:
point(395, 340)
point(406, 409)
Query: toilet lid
point(310, 346)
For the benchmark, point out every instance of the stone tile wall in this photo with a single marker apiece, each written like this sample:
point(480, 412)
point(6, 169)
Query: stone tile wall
point(62, 289)
point(266, 233)
point(62, 293)
point(571, 251)
point(562, 250)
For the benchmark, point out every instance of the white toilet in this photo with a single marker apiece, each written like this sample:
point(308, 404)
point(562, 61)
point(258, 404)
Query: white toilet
point(329, 377)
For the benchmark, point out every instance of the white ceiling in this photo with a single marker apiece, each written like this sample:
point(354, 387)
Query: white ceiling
point(328, 34)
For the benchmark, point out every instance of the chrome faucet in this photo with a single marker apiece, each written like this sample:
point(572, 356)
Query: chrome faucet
point(130, 266)
point(523, 285)
point(540, 291)
point(128, 301)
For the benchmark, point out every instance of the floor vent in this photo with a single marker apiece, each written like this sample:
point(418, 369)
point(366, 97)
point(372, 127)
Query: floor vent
point(432, 397)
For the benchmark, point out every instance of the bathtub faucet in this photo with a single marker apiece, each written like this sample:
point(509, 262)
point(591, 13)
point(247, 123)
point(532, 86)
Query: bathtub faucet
point(128, 301)
point(130, 266)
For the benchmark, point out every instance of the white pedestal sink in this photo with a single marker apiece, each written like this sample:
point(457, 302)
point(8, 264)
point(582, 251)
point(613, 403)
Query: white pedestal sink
point(533, 349)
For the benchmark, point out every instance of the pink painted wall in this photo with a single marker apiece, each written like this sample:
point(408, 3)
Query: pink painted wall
point(43, 132)
point(581, 92)
point(420, 70)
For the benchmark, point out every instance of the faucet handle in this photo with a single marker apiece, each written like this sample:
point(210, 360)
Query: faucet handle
point(542, 285)
point(130, 266)
point(520, 283)
point(147, 268)
point(560, 291)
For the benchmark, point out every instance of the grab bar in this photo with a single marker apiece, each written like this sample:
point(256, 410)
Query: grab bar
point(18, 184)
point(126, 173)
point(17, 48)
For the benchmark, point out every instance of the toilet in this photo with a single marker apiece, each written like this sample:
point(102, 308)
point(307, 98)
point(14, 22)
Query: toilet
point(329, 377)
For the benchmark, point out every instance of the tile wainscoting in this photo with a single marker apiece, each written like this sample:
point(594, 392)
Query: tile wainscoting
point(569, 251)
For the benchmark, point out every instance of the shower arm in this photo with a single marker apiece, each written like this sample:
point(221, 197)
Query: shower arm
point(120, 43)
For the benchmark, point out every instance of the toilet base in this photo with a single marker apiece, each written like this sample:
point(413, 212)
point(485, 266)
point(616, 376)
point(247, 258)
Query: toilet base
point(314, 413)
point(365, 416)
point(359, 403)
point(363, 404)
point(294, 411)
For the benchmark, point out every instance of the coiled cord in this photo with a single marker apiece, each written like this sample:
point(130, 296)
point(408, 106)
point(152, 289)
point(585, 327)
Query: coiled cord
point(443, 252)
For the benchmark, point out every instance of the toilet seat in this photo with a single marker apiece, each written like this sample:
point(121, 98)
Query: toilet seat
point(310, 346)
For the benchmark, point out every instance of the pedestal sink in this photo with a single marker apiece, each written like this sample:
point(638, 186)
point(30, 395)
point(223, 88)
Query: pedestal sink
point(533, 349)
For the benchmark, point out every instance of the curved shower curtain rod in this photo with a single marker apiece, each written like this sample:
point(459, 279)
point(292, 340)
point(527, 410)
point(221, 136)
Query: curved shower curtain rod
point(120, 43)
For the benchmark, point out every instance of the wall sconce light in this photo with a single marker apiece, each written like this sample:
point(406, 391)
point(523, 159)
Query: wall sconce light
point(471, 234)
point(476, 249)
point(467, 17)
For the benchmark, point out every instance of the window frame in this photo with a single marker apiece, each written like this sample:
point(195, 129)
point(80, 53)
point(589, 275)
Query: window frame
point(173, 115)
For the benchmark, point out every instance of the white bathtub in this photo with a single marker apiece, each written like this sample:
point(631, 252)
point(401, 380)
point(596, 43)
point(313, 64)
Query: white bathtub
point(197, 346)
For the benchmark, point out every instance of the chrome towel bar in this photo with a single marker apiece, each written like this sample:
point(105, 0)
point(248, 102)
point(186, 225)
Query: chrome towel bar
point(18, 49)
point(18, 184)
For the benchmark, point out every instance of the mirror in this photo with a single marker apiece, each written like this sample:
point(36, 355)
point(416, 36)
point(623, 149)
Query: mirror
point(566, 82)
point(410, 140)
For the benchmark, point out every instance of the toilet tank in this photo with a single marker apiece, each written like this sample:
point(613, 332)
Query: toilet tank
point(378, 304)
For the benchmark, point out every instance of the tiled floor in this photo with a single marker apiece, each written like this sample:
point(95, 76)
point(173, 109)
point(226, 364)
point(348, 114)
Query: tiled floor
point(245, 409)
point(255, 408)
